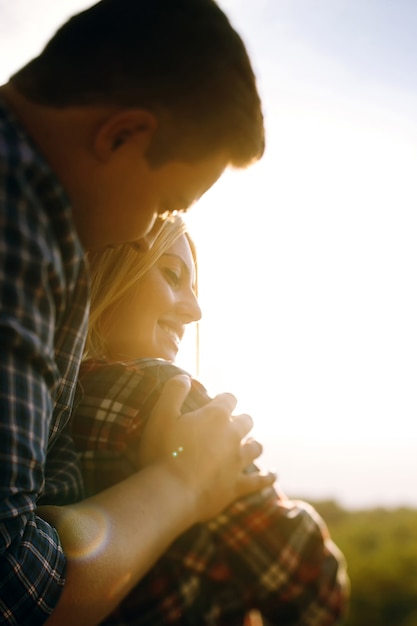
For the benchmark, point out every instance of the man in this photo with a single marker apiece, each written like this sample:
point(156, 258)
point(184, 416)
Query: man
point(131, 112)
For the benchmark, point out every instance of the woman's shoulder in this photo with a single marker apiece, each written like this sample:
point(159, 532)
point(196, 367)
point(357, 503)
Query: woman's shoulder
point(144, 376)
point(105, 367)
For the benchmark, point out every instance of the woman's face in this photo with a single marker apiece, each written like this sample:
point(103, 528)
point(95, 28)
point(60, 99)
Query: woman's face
point(149, 321)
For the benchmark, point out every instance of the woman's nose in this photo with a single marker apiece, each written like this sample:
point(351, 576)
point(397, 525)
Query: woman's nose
point(190, 308)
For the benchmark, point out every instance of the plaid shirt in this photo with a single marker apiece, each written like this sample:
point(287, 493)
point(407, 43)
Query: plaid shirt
point(43, 314)
point(262, 552)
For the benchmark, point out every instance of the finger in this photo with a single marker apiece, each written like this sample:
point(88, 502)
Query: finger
point(243, 424)
point(253, 618)
point(221, 405)
point(250, 450)
point(251, 483)
point(172, 397)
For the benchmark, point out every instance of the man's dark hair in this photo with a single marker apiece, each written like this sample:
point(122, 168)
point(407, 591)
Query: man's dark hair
point(180, 59)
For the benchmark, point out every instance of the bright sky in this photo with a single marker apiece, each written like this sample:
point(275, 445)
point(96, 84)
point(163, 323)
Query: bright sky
point(308, 259)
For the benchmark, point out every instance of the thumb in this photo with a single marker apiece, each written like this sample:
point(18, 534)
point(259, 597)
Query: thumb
point(172, 397)
point(157, 433)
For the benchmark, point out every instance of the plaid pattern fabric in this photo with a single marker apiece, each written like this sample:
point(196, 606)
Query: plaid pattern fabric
point(43, 296)
point(262, 552)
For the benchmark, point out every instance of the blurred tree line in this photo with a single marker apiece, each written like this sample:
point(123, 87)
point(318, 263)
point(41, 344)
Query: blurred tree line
point(380, 546)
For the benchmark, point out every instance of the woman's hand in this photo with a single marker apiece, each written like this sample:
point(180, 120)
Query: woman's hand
point(207, 449)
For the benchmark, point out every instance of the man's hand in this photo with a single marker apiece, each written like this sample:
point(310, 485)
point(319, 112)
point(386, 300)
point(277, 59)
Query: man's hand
point(208, 449)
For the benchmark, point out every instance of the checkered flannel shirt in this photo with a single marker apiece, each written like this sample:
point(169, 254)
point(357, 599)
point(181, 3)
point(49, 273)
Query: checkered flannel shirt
point(43, 315)
point(262, 552)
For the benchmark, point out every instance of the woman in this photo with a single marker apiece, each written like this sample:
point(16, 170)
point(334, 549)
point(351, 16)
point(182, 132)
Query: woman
point(264, 551)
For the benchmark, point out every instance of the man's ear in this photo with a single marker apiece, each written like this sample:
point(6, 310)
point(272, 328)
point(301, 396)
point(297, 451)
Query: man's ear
point(133, 125)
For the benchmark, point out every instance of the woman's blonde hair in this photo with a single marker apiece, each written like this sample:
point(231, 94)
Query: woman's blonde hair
point(115, 270)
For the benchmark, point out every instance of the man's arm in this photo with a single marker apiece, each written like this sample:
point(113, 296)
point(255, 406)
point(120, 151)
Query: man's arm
point(32, 561)
point(112, 539)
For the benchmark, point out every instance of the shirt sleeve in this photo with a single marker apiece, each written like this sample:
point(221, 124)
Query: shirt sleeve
point(32, 562)
point(288, 566)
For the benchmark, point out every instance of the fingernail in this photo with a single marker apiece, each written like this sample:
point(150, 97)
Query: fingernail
point(182, 378)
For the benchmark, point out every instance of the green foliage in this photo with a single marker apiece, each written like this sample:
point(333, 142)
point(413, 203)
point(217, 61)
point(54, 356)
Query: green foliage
point(380, 547)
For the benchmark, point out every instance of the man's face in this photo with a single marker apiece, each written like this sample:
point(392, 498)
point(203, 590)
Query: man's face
point(124, 202)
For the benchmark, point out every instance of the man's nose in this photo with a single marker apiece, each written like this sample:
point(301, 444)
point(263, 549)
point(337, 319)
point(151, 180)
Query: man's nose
point(146, 242)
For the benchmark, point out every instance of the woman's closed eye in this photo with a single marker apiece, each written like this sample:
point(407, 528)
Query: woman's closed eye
point(173, 276)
